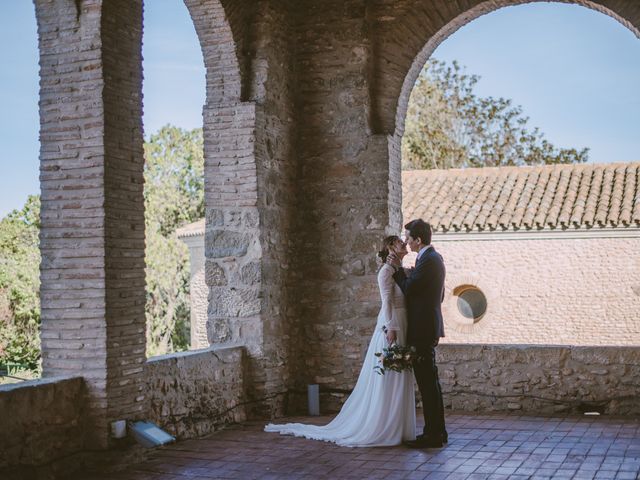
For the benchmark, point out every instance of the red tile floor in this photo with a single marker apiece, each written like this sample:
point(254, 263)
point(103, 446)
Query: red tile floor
point(480, 447)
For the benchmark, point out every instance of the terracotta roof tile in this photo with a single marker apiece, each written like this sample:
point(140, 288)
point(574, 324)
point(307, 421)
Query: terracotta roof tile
point(536, 199)
point(564, 218)
point(635, 216)
point(192, 229)
point(559, 198)
point(630, 186)
point(617, 190)
point(512, 198)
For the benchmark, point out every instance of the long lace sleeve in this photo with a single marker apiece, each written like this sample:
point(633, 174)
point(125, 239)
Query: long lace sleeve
point(386, 285)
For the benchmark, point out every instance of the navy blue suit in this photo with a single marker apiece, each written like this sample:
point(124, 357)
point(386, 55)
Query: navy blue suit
point(424, 291)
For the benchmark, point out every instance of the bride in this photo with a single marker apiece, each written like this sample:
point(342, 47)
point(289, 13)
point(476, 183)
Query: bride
point(381, 409)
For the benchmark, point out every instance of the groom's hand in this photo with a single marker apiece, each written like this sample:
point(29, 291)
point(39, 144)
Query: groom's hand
point(393, 260)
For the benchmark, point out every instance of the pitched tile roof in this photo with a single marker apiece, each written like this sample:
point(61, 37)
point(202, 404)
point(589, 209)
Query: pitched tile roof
point(524, 198)
point(191, 230)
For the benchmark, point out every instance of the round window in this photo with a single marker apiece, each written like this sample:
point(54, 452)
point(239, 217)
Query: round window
point(472, 303)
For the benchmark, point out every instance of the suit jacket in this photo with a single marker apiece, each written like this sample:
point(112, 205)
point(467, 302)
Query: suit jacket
point(424, 292)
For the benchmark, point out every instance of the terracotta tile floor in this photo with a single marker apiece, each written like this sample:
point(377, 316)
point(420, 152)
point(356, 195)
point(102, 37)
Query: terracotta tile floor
point(480, 447)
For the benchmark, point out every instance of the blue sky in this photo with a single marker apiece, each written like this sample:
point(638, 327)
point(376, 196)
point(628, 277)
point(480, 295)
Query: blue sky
point(574, 71)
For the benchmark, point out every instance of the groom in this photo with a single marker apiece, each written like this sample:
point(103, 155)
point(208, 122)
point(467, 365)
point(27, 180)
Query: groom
point(424, 292)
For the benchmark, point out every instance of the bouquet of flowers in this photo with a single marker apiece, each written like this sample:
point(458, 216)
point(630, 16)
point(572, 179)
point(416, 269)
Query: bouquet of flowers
point(395, 357)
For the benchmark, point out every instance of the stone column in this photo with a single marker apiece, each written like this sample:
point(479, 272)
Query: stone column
point(249, 172)
point(91, 173)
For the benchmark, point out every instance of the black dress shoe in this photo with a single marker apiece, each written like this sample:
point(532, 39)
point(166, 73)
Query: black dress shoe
point(445, 437)
point(424, 442)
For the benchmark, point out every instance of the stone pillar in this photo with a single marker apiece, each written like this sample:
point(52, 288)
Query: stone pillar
point(233, 250)
point(91, 173)
point(198, 291)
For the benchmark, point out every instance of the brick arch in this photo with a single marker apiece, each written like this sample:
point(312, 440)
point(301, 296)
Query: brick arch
point(422, 27)
point(222, 31)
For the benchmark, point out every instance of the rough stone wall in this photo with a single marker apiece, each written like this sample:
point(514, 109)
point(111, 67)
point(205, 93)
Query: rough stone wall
point(92, 235)
point(273, 89)
point(43, 430)
point(555, 291)
point(540, 380)
point(193, 393)
point(42, 420)
point(530, 379)
point(343, 188)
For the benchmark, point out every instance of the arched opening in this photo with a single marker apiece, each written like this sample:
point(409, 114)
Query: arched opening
point(19, 195)
point(174, 94)
point(537, 241)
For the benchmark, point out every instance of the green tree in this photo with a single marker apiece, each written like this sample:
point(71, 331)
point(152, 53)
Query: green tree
point(449, 126)
point(174, 196)
point(20, 285)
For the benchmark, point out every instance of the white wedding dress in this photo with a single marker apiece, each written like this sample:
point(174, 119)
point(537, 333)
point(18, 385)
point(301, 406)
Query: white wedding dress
point(381, 409)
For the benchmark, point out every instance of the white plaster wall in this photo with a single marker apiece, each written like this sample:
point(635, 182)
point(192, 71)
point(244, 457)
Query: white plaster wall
point(546, 291)
point(539, 291)
point(198, 292)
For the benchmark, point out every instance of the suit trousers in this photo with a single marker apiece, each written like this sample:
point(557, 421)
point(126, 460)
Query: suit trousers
point(426, 373)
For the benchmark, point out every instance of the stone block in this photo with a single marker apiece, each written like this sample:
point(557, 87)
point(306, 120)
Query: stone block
point(233, 302)
point(250, 273)
point(214, 217)
point(214, 274)
point(225, 243)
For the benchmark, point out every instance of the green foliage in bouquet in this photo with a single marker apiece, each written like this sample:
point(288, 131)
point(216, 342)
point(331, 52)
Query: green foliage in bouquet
point(396, 358)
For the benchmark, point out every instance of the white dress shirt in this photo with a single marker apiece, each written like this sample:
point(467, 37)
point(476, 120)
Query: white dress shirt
point(422, 250)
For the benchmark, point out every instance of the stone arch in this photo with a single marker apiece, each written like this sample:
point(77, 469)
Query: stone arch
point(222, 31)
point(406, 37)
point(395, 125)
point(230, 170)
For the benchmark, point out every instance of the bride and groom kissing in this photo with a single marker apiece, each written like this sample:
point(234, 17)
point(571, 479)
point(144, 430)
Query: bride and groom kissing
point(381, 409)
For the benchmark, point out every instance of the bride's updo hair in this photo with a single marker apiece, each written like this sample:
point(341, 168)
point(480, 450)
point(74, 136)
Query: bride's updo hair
point(386, 243)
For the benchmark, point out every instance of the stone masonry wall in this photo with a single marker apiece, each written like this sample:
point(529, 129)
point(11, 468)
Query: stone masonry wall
point(342, 209)
point(273, 89)
point(193, 393)
point(540, 380)
point(42, 420)
point(530, 379)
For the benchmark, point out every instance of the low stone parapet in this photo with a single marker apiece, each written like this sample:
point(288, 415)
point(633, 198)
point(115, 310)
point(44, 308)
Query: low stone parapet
point(536, 379)
point(40, 421)
point(527, 379)
point(194, 393)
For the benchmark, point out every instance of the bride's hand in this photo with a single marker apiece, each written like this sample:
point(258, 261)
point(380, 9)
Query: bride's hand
point(391, 336)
